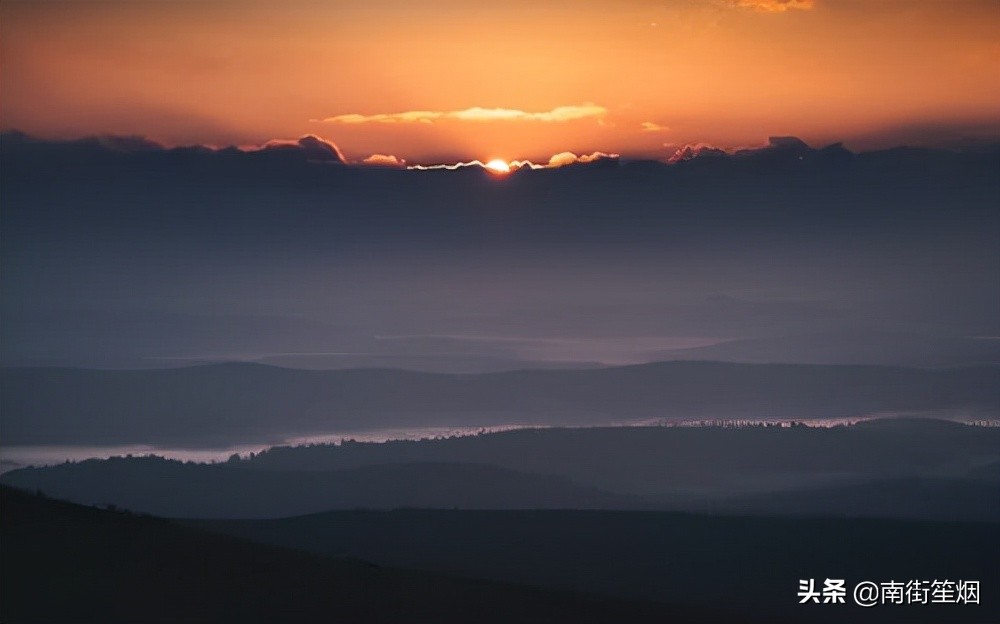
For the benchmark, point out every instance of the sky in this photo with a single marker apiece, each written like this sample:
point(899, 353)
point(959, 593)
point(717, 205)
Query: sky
point(126, 250)
point(455, 81)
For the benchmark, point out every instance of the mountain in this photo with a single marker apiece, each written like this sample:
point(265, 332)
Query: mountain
point(64, 562)
point(851, 347)
point(232, 403)
point(67, 563)
point(726, 561)
point(893, 468)
point(968, 499)
point(657, 460)
point(235, 490)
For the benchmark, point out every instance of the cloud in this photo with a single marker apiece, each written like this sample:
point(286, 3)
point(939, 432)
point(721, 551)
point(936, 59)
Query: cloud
point(694, 150)
point(514, 165)
point(774, 6)
point(127, 143)
point(518, 164)
point(561, 159)
point(314, 148)
point(384, 160)
point(450, 167)
point(649, 126)
point(407, 117)
point(787, 142)
point(476, 113)
point(569, 158)
point(560, 113)
point(777, 149)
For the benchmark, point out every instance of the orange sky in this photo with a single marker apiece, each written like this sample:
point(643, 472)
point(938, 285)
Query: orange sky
point(453, 80)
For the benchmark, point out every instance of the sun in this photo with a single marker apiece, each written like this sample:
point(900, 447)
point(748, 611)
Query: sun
point(497, 166)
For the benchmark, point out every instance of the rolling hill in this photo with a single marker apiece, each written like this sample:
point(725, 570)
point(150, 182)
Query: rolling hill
point(226, 404)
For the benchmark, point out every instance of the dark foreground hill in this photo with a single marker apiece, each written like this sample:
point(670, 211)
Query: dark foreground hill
point(175, 489)
point(66, 563)
point(726, 561)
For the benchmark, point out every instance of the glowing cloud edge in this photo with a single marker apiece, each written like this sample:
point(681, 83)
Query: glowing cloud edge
point(474, 114)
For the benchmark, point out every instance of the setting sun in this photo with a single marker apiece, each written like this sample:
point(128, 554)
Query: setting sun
point(497, 166)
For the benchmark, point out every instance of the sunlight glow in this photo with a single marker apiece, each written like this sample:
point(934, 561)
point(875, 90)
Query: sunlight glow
point(497, 166)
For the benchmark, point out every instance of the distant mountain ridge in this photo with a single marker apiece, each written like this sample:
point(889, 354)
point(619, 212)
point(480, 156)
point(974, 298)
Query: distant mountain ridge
point(232, 403)
point(894, 468)
point(851, 347)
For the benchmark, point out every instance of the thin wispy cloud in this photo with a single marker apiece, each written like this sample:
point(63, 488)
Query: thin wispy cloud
point(475, 113)
point(649, 126)
point(774, 6)
point(450, 167)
